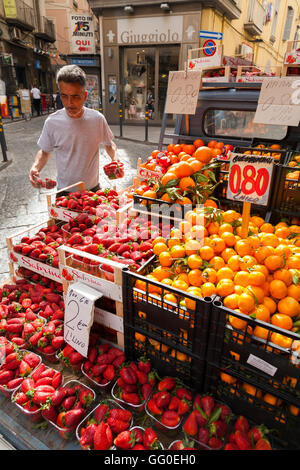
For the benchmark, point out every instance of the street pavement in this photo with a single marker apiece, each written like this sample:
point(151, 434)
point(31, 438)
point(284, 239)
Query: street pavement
point(21, 205)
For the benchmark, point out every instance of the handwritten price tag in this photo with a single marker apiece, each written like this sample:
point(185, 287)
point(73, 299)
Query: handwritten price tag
point(79, 316)
point(250, 178)
point(183, 90)
point(279, 102)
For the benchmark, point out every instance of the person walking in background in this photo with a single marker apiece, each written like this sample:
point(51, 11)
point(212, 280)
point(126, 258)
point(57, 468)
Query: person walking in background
point(58, 102)
point(75, 133)
point(36, 99)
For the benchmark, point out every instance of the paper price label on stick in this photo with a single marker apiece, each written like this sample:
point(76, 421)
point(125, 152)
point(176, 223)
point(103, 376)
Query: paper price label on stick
point(250, 178)
point(79, 316)
point(279, 102)
point(183, 90)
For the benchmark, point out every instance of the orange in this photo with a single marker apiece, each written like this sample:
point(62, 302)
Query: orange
point(203, 154)
point(184, 227)
point(183, 169)
point(282, 321)
point(237, 322)
point(169, 176)
point(195, 277)
point(177, 149)
point(206, 253)
point(183, 277)
point(184, 200)
point(278, 289)
point(208, 289)
point(209, 275)
point(230, 216)
point(161, 273)
point(177, 251)
point(294, 291)
point(173, 241)
point(227, 254)
point(216, 152)
point(270, 304)
point(293, 262)
point(165, 259)
point(198, 232)
point(225, 227)
point(261, 268)
point(192, 217)
point(234, 263)
point(229, 238)
point(261, 332)
point(246, 302)
point(272, 400)
point(159, 248)
point(247, 262)
point(192, 246)
point(269, 239)
point(213, 228)
point(217, 262)
point(243, 247)
point(263, 252)
point(151, 288)
point(239, 289)
point(165, 197)
point(274, 262)
point(231, 301)
point(198, 143)
point(251, 390)
point(187, 183)
point(194, 261)
point(227, 378)
point(256, 220)
point(261, 312)
point(282, 232)
point(257, 293)
point(283, 275)
point(225, 287)
point(210, 203)
point(188, 148)
point(254, 241)
point(224, 273)
point(151, 194)
point(219, 145)
point(180, 284)
point(241, 278)
point(212, 144)
point(170, 298)
point(289, 306)
point(256, 278)
point(281, 340)
point(267, 227)
point(218, 245)
point(196, 165)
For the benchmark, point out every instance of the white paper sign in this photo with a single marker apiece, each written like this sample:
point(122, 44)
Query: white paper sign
point(82, 34)
point(279, 102)
point(204, 62)
point(79, 316)
point(183, 90)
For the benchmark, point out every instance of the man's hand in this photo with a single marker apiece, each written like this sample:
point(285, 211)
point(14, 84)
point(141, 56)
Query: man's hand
point(111, 150)
point(34, 176)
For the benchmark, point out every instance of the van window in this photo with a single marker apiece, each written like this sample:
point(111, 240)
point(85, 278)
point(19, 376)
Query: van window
point(239, 124)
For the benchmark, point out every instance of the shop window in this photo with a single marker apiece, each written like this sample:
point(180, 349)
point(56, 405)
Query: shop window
point(240, 125)
point(168, 61)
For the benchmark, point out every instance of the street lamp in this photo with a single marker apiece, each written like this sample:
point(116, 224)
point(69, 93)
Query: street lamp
point(129, 9)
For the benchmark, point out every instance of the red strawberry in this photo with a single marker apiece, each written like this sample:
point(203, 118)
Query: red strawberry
point(230, 446)
point(153, 408)
point(166, 384)
point(241, 424)
point(128, 375)
point(86, 398)
point(191, 425)
point(87, 438)
point(146, 390)
point(125, 440)
point(183, 407)
point(174, 404)
point(101, 412)
point(142, 377)
point(263, 444)
point(203, 435)
point(170, 418)
point(215, 443)
point(131, 398)
point(242, 440)
point(121, 414)
point(103, 438)
point(144, 365)
point(50, 413)
point(150, 439)
point(116, 425)
point(109, 373)
point(72, 417)
point(208, 404)
point(162, 399)
point(218, 428)
point(257, 432)
point(184, 393)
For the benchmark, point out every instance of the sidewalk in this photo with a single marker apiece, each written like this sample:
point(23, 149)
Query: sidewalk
point(137, 133)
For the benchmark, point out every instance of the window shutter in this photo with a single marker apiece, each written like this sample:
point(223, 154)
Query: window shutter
point(288, 24)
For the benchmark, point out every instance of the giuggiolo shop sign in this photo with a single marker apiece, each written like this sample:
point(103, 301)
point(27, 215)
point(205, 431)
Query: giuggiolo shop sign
point(150, 30)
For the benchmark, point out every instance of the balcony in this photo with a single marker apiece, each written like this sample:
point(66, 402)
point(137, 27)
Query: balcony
point(46, 30)
point(23, 16)
point(255, 18)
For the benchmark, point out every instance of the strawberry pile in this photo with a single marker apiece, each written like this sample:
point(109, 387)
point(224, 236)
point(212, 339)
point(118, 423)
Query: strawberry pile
point(68, 405)
point(42, 246)
point(114, 170)
point(102, 363)
point(107, 421)
point(169, 402)
point(16, 366)
point(36, 278)
point(135, 382)
point(49, 338)
point(102, 203)
point(138, 438)
point(36, 390)
point(208, 422)
point(47, 183)
point(69, 357)
point(247, 437)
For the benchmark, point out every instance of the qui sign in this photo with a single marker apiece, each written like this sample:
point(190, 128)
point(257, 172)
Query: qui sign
point(79, 316)
point(250, 178)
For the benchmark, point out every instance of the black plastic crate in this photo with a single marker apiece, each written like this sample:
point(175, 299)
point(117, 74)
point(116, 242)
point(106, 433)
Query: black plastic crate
point(170, 331)
point(286, 193)
point(279, 155)
point(253, 356)
point(157, 207)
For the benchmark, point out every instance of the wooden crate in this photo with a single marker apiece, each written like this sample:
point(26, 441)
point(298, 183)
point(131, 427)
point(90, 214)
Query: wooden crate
point(63, 213)
point(27, 262)
point(145, 174)
point(227, 77)
point(196, 60)
point(241, 77)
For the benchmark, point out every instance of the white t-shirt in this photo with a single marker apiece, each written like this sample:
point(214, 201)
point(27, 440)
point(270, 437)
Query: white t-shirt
point(76, 143)
point(36, 94)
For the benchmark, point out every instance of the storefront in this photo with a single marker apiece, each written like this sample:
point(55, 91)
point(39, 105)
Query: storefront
point(138, 54)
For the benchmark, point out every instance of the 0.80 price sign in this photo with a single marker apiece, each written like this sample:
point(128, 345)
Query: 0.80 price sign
point(250, 178)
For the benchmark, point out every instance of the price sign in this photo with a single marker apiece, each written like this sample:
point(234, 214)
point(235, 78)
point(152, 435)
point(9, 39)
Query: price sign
point(183, 90)
point(249, 178)
point(279, 102)
point(79, 316)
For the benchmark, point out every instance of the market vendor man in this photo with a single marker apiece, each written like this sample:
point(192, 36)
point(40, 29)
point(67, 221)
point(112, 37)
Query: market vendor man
point(75, 133)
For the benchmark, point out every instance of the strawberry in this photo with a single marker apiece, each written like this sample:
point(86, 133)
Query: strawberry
point(203, 435)
point(138, 447)
point(131, 398)
point(201, 417)
point(218, 428)
point(144, 365)
point(208, 404)
point(170, 419)
point(109, 373)
point(103, 438)
point(121, 414)
point(150, 439)
point(242, 440)
point(166, 384)
point(162, 399)
point(257, 432)
point(101, 412)
point(191, 425)
point(125, 440)
point(87, 438)
point(230, 446)
point(128, 375)
point(225, 412)
point(215, 443)
point(86, 398)
point(142, 377)
point(72, 417)
point(183, 393)
point(241, 424)
point(50, 413)
point(263, 444)
point(117, 425)
point(153, 408)
point(146, 390)
point(68, 402)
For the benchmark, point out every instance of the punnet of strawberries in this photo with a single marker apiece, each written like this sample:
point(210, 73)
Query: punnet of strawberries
point(135, 382)
point(247, 436)
point(102, 363)
point(16, 366)
point(169, 402)
point(103, 203)
point(138, 438)
point(102, 425)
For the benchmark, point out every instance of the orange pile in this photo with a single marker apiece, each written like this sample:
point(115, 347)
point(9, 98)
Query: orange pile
point(257, 276)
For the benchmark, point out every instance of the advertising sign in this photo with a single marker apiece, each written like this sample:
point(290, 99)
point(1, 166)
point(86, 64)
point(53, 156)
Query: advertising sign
point(82, 34)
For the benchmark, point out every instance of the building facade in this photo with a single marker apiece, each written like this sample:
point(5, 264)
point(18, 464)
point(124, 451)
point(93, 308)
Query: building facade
point(141, 41)
point(77, 42)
